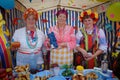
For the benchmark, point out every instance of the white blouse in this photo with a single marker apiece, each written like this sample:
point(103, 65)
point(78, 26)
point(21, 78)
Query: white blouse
point(20, 36)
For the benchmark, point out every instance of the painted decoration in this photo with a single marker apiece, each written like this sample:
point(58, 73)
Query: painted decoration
point(113, 12)
point(5, 54)
point(7, 4)
point(108, 27)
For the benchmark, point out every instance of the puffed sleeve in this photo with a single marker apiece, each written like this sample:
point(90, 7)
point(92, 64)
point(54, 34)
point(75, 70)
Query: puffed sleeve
point(72, 43)
point(78, 38)
point(15, 36)
point(102, 41)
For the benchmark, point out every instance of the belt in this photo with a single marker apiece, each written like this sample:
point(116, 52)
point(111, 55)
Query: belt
point(36, 52)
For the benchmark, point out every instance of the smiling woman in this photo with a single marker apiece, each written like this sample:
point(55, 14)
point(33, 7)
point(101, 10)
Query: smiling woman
point(65, 38)
point(31, 41)
point(91, 41)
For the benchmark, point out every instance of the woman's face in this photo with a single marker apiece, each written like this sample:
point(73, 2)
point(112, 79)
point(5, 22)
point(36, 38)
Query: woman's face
point(61, 19)
point(88, 22)
point(30, 20)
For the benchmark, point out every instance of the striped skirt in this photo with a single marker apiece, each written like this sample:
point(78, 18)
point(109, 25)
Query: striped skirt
point(61, 56)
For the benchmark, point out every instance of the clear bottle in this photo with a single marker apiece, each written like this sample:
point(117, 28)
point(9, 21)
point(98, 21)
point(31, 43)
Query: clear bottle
point(104, 64)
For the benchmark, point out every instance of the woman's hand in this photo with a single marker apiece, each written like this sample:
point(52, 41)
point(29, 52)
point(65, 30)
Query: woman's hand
point(89, 58)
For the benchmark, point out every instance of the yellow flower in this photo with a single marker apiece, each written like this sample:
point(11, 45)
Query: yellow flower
point(80, 68)
point(89, 11)
point(81, 14)
point(96, 15)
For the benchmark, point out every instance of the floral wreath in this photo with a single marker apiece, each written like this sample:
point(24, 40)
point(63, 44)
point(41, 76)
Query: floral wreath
point(30, 11)
point(93, 15)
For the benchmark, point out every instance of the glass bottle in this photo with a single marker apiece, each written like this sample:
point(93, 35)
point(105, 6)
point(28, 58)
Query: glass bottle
point(104, 64)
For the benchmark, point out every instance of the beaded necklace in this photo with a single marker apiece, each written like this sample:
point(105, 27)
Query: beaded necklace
point(31, 40)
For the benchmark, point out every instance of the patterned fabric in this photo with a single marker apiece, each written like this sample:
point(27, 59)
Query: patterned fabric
point(61, 56)
point(91, 63)
point(68, 36)
point(64, 55)
point(93, 44)
point(5, 53)
point(101, 36)
point(24, 47)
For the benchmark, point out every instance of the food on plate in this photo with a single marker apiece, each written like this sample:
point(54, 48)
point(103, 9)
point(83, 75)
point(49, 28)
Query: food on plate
point(22, 68)
point(37, 78)
point(78, 77)
point(21, 76)
point(41, 78)
point(23, 72)
point(91, 75)
point(67, 72)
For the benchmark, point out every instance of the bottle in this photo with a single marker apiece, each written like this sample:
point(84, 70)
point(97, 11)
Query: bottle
point(104, 64)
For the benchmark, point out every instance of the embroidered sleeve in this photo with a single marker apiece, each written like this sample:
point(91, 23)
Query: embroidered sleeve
point(102, 40)
point(78, 38)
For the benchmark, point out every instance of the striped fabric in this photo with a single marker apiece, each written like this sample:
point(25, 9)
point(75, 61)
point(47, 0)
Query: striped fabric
point(61, 56)
point(5, 54)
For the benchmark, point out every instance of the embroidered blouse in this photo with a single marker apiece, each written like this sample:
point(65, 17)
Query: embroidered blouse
point(65, 36)
point(20, 36)
point(101, 36)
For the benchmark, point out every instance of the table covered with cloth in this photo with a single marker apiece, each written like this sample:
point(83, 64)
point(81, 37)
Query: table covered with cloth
point(49, 75)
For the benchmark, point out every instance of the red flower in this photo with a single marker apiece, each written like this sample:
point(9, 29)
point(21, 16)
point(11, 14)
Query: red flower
point(85, 13)
point(92, 15)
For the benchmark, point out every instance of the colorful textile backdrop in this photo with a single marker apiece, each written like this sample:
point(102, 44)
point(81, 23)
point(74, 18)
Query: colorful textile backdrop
point(4, 46)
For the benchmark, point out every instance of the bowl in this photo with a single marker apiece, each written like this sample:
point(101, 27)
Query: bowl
point(69, 77)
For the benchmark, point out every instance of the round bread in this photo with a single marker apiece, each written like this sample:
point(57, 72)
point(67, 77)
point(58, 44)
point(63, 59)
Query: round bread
point(15, 44)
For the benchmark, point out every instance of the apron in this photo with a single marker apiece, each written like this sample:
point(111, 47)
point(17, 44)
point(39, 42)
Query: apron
point(90, 46)
point(61, 56)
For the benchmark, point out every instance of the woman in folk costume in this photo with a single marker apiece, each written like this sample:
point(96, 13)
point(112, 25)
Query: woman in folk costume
point(91, 41)
point(31, 39)
point(65, 38)
point(5, 55)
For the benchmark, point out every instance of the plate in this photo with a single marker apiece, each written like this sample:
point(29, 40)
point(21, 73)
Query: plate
point(40, 74)
point(69, 77)
point(57, 78)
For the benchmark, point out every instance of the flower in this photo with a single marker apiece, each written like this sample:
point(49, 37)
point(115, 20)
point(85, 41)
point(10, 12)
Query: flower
point(93, 15)
point(80, 68)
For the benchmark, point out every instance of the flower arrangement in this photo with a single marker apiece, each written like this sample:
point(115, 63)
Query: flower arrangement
point(67, 72)
point(80, 68)
point(93, 15)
